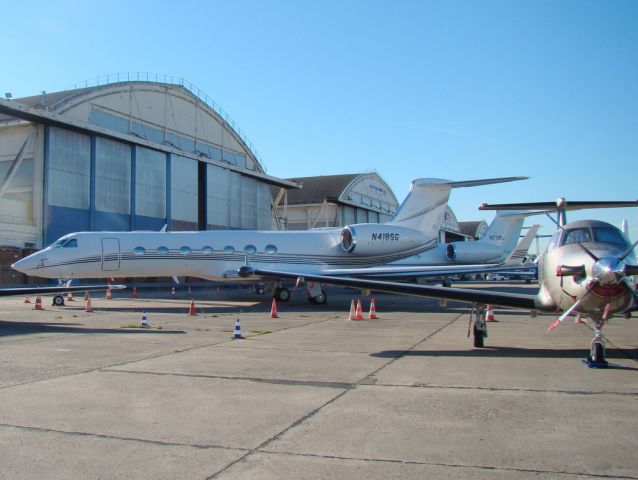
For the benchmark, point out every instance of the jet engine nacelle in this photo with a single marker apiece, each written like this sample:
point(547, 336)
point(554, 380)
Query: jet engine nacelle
point(381, 239)
point(471, 252)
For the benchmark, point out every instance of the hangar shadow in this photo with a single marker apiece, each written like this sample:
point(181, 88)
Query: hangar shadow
point(25, 328)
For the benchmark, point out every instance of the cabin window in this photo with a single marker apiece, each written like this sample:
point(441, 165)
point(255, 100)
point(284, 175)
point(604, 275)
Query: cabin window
point(250, 249)
point(270, 249)
point(139, 250)
point(162, 250)
point(229, 249)
point(207, 250)
point(185, 250)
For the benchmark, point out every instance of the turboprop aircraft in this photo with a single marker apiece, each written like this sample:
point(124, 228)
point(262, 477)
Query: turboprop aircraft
point(216, 255)
point(587, 270)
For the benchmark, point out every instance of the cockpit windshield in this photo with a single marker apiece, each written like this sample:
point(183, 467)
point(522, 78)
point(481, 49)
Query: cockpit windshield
point(609, 235)
point(575, 235)
point(65, 242)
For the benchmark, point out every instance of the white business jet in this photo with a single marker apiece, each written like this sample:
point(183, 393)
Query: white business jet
point(216, 255)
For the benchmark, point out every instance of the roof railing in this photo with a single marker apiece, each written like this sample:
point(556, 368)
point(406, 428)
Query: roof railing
point(112, 78)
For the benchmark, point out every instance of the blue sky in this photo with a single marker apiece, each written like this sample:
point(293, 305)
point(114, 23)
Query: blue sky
point(447, 89)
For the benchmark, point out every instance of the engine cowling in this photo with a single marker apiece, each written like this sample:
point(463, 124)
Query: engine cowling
point(370, 239)
point(471, 252)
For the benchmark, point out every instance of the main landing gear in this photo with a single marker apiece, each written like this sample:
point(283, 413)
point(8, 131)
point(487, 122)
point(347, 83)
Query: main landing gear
point(58, 301)
point(479, 330)
point(281, 294)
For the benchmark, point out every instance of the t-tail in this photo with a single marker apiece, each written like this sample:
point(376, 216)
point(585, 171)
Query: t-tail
point(520, 254)
point(503, 232)
point(424, 207)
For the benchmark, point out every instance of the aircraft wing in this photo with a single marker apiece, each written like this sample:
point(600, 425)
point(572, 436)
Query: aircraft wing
point(418, 271)
point(57, 289)
point(515, 300)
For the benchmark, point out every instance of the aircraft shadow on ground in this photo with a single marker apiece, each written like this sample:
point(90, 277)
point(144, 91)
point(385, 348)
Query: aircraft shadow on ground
point(24, 328)
point(510, 352)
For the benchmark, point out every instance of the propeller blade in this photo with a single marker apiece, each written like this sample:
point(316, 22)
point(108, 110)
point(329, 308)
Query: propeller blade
point(570, 270)
point(629, 250)
point(588, 252)
point(567, 312)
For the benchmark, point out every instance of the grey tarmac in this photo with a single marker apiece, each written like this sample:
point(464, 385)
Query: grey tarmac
point(310, 394)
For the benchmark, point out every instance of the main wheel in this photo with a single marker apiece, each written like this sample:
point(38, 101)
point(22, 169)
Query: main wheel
point(479, 338)
point(282, 294)
point(260, 290)
point(58, 301)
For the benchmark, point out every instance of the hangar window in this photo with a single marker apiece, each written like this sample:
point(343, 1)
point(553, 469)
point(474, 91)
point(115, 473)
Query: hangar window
point(271, 249)
point(139, 250)
point(207, 250)
point(162, 250)
point(250, 249)
point(229, 249)
point(185, 250)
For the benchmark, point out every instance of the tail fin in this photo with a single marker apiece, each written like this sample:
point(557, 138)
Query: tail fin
point(518, 256)
point(424, 207)
point(504, 231)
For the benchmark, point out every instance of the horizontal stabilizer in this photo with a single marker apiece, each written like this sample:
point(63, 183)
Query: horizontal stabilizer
point(560, 204)
point(485, 181)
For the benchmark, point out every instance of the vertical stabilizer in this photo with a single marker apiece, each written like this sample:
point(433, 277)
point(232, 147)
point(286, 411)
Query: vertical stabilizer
point(519, 255)
point(425, 205)
point(504, 231)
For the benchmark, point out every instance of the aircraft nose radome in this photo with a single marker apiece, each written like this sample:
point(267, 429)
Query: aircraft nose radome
point(23, 265)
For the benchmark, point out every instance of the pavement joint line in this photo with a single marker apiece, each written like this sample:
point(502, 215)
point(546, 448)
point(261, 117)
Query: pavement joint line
point(274, 381)
point(363, 381)
point(297, 422)
point(116, 437)
point(404, 352)
point(500, 389)
point(451, 465)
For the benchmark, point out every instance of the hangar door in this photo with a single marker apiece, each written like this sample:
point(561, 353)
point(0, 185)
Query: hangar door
point(110, 254)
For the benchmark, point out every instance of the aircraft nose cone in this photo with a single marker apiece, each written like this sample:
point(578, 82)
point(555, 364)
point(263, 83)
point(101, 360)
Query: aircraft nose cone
point(25, 264)
point(609, 270)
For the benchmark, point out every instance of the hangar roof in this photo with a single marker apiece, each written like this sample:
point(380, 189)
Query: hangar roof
point(316, 189)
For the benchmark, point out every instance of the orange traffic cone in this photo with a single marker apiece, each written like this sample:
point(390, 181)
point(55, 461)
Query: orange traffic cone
point(273, 309)
point(38, 303)
point(134, 293)
point(359, 310)
point(373, 311)
point(489, 314)
point(109, 296)
point(26, 300)
point(353, 314)
point(69, 297)
point(89, 307)
point(191, 310)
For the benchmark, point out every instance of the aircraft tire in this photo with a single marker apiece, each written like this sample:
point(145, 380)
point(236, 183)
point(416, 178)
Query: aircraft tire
point(58, 301)
point(282, 294)
point(479, 338)
point(598, 353)
point(260, 290)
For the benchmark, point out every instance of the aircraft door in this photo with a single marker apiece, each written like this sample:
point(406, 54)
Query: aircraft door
point(110, 254)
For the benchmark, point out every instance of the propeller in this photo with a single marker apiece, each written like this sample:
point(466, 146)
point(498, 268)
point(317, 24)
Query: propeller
point(608, 270)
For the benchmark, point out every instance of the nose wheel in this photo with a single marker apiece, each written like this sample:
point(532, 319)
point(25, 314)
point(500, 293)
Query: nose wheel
point(596, 358)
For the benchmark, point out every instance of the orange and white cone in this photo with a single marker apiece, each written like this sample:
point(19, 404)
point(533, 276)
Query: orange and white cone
point(273, 309)
point(489, 314)
point(353, 313)
point(173, 291)
point(27, 300)
point(191, 311)
point(89, 307)
point(134, 293)
point(38, 303)
point(373, 310)
point(144, 320)
point(359, 315)
point(109, 296)
point(69, 297)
